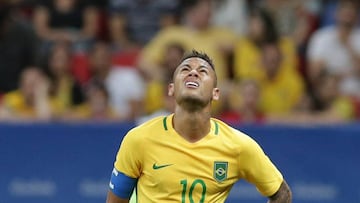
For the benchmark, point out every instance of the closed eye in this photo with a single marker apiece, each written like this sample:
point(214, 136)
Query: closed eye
point(204, 70)
point(185, 68)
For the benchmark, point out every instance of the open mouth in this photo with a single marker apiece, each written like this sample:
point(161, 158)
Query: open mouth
point(191, 84)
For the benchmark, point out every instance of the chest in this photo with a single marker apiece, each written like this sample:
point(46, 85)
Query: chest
point(177, 169)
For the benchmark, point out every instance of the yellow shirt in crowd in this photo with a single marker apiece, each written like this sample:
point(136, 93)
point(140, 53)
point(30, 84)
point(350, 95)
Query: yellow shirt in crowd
point(210, 41)
point(282, 93)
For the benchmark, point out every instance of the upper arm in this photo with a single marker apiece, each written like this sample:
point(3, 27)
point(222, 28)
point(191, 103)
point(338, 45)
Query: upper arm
point(127, 169)
point(257, 168)
point(129, 158)
point(282, 195)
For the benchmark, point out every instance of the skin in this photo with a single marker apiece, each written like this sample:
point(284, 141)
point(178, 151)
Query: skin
point(193, 104)
point(283, 195)
point(192, 110)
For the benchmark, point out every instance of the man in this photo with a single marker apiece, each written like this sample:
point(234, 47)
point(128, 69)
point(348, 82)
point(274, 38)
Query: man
point(31, 101)
point(194, 31)
point(189, 156)
point(336, 49)
point(125, 101)
point(18, 48)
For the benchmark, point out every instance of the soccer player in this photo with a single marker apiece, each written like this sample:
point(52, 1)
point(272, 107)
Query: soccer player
point(189, 156)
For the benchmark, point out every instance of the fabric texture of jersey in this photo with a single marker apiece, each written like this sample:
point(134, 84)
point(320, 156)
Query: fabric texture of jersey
point(171, 169)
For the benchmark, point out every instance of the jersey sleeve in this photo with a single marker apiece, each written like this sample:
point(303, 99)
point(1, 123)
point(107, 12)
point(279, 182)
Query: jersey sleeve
point(257, 168)
point(128, 158)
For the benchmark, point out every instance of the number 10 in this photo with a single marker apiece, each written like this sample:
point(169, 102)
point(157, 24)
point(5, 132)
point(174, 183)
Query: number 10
point(197, 181)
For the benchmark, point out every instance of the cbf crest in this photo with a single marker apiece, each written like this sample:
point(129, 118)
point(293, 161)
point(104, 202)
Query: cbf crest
point(220, 170)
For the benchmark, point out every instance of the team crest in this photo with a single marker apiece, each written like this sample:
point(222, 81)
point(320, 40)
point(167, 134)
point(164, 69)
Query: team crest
point(220, 170)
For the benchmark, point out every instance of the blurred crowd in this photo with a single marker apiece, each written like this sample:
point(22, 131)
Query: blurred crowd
point(278, 61)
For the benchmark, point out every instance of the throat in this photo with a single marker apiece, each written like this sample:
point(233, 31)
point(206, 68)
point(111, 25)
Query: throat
point(192, 105)
point(192, 127)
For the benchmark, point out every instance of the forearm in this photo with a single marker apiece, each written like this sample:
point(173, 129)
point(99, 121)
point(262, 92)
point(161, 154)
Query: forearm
point(283, 195)
point(111, 198)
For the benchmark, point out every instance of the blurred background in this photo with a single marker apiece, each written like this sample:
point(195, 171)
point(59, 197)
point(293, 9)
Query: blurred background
point(75, 75)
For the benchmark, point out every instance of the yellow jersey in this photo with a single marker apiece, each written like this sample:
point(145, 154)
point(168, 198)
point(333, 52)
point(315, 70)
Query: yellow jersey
point(168, 168)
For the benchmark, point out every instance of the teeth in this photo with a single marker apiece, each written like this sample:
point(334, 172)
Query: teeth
point(192, 84)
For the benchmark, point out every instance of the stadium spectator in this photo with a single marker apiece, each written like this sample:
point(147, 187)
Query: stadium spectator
point(281, 86)
point(271, 61)
point(31, 101)
point(75, 21)
point(247, 54)
point(144, 18)
point(243, 104)
point(195, 32)
point(96, 107)
point(294, 19)
point(155, 88)
point(291, 15)
point(336, 49)
point(329, 101)
point(64, 88)
point(328, 107)
point(167, 107)
point(231, 14)
point(18, 48)
point(124, 84)
point(124, 50)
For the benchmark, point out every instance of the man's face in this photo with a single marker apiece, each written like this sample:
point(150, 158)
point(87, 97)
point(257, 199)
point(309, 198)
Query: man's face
point(194, 81)
point(347, 14)
point(200, 15)
point(100, 58)
point(30, 81)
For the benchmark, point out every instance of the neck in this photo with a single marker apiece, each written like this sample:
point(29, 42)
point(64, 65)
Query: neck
point(192, 126)
point(103, 74)
point(121, 40)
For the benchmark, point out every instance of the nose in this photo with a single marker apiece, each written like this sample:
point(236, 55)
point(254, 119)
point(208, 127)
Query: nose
point(194, 73)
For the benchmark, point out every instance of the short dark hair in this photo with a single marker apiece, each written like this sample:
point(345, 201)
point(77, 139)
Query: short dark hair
point(270, 32)
point(197, 54)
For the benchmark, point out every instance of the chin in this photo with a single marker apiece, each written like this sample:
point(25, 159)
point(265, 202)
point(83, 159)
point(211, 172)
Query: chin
point(192, 102)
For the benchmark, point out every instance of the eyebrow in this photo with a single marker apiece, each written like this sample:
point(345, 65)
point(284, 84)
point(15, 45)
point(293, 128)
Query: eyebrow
point(201, 66)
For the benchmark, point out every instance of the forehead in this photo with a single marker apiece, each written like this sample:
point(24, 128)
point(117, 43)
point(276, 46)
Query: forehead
point(195, 61)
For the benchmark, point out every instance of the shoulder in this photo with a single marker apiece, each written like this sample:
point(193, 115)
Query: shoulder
point(233, 135)
point(13, 97)
point(173, 30)
point(324, 34)
point(356, 32)
point(147, 128)
point(127, 74)
point(122, 76)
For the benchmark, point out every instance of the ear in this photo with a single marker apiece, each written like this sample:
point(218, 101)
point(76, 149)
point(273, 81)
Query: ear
point(171, 89)
point(216, 94)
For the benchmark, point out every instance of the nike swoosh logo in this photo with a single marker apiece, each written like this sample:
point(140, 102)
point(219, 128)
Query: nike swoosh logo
point(155, 167)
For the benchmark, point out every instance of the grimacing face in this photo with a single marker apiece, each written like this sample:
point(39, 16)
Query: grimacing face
point(194, 80)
